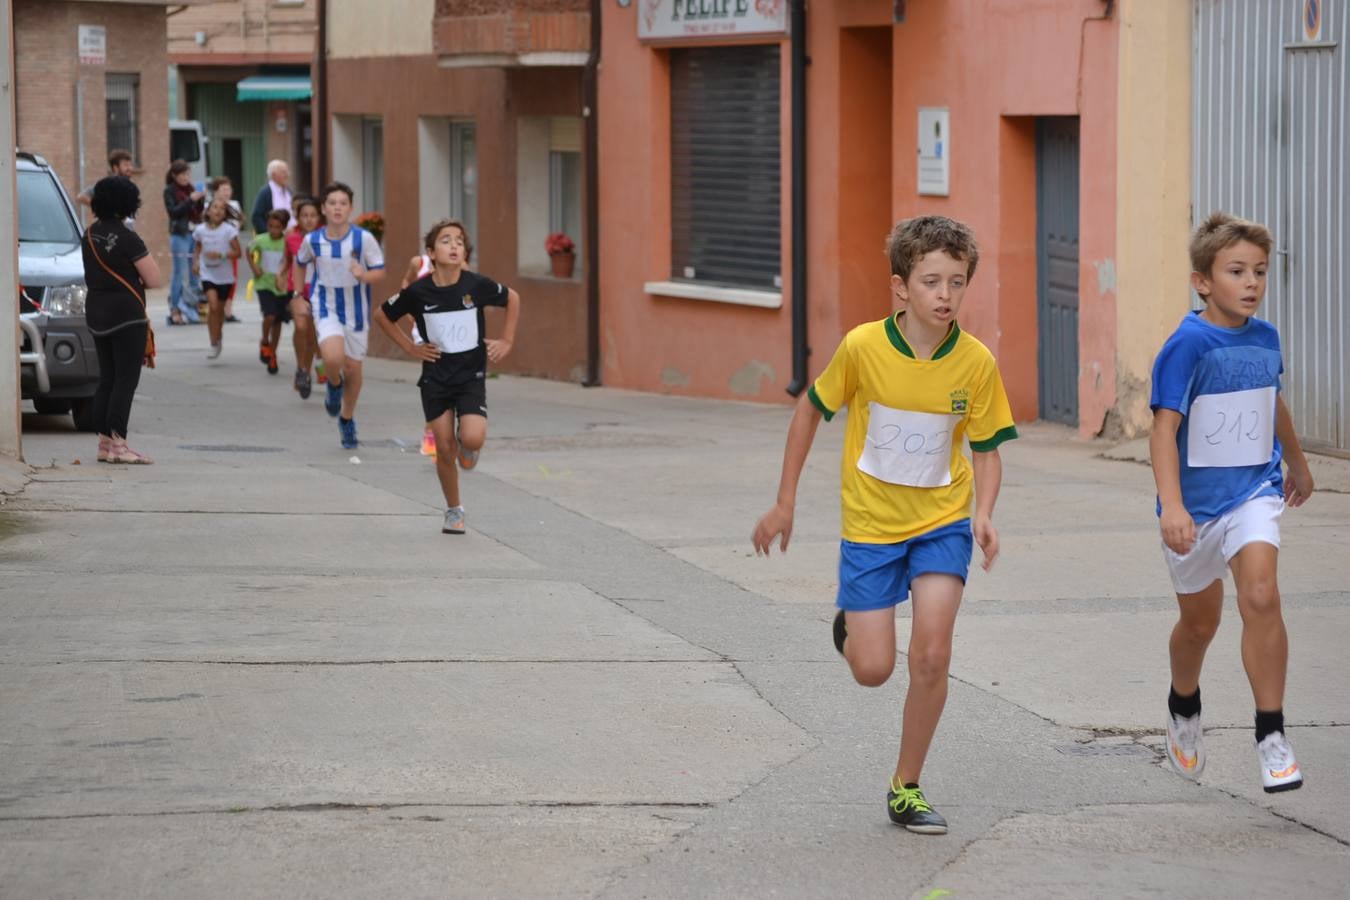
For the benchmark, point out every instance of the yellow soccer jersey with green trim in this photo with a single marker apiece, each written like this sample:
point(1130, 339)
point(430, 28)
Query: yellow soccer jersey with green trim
point(903, 473)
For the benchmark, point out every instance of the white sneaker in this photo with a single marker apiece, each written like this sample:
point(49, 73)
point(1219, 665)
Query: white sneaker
point(454, 521)
point(1186, 745)
point(213, 352)
point(1279, 769)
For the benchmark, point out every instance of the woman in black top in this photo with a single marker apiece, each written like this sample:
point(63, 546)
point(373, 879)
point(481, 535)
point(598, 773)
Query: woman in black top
point(117, 270)
point(183, 203)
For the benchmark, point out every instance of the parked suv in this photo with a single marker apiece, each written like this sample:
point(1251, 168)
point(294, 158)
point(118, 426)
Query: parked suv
point(58, 362)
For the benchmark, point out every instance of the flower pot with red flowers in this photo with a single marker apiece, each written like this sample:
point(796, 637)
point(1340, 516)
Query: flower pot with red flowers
point(562, 254)
point(372, 222)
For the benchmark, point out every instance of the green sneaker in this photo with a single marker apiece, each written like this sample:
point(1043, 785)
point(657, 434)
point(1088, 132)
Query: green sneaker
point(907, 806)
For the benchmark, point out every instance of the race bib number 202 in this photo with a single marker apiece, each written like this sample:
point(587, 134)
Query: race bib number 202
point(909, 448)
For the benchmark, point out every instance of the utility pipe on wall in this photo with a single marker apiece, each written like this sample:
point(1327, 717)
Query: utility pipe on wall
point(801, 351)
point(590, 93)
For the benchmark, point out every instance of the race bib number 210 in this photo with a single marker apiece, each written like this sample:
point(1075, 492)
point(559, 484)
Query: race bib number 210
point(908, 448)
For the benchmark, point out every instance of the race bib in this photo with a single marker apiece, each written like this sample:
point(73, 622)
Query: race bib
point(1233, 429)
point(453, 332)
point(908, 448)
point(270, 261)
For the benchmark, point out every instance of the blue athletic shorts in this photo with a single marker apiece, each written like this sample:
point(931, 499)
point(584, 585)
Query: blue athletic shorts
point(877, 576)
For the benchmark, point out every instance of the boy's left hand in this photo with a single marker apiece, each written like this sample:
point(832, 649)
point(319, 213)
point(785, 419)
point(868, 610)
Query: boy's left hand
point(1298, 485)
point(357, 269)
point(497, 349)
point(986, 535)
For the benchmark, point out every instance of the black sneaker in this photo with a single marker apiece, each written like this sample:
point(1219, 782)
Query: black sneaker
point(906, 806)
point(840, 632)
point(303, 384)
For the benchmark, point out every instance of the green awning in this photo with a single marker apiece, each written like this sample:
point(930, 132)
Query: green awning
point(274, 87)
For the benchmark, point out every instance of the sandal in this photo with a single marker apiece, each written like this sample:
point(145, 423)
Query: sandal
point(104, 448)
point(121, 453)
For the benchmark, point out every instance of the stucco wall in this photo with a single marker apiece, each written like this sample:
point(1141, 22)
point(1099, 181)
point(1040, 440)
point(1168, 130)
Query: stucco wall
point(1154, 187)
point(358, 28)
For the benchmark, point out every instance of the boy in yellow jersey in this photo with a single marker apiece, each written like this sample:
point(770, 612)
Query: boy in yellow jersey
point(916, 386)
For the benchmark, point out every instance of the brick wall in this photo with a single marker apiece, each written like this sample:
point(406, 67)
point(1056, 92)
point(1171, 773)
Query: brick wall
point(255, 29)
point(47, 70)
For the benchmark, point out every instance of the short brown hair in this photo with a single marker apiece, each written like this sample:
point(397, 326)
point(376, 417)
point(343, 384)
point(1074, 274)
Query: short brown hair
point(333, 187)
point(115, 158)
point(913, 239)
point(1221, 231)
point(215, 183)
point(280, 215)
point(435, 231)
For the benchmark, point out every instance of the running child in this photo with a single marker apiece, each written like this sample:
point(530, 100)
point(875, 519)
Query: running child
point(222, 188)
point(916, 386)
point(266, 255)
point(447, 312)
point(1220, 433)
point(214, 251)
point(305, 220)
point(347, 261)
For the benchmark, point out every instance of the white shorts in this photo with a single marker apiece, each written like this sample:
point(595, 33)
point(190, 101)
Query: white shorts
point(354, 341)
point(1219, 540)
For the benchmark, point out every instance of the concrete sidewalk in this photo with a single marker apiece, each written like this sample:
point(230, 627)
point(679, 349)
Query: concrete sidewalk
point(257, 669)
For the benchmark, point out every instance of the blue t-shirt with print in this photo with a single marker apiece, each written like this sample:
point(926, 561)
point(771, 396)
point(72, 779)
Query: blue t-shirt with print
point(1224, 382)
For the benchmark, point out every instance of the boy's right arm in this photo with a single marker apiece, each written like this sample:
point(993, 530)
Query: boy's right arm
point(425, 352)
point(1178, 528)
point(778, 520)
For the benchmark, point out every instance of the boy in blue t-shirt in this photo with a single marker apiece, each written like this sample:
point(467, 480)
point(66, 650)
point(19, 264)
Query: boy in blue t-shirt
point(1220, 432)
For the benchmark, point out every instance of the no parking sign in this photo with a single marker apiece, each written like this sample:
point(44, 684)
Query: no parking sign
point(1311, 20)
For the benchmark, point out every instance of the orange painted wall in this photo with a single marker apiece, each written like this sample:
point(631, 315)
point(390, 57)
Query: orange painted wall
point(996, 67)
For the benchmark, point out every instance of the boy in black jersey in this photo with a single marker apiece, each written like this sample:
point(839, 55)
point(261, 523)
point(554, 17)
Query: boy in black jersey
point(447, 310)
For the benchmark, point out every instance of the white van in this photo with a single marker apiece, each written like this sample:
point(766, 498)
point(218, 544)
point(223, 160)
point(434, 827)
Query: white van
point(188, 143)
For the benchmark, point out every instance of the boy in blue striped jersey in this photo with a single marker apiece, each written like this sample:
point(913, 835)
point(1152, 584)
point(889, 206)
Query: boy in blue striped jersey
point(346, 262)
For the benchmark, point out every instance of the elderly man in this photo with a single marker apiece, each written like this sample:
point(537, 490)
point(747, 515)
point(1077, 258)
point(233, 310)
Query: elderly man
point(273, 195)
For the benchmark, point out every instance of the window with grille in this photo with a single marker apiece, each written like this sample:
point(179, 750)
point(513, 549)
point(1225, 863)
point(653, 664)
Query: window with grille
point(120, 99)
point(726, 215)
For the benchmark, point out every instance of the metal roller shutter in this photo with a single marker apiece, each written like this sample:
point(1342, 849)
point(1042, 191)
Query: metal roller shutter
point(725, 159)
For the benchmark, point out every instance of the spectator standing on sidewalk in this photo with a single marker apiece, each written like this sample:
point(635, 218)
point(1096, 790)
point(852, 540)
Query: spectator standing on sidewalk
point(182, 201)
point(119, 163)
point(275, 194)
point(117, 270)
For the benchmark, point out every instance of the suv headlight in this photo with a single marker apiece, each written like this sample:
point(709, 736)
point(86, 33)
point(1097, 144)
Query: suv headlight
point(66, 300)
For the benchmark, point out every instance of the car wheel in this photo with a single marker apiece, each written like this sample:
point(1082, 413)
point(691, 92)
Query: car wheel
point(82, 411)
point(48, 407)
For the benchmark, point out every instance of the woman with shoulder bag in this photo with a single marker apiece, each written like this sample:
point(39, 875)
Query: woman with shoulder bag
point(117, 271)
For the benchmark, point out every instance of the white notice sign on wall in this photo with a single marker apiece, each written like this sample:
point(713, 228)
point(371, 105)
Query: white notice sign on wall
point(93, 44)
point(935, 152)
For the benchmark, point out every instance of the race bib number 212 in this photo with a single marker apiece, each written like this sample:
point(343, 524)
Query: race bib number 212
point(1232, 429)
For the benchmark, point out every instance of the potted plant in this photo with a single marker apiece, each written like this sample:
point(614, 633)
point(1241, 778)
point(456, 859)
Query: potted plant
point(562, 254)
point(372, 222)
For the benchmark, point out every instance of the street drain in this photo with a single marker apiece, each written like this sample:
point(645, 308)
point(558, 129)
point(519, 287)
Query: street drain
point(1104, 750)
point(231, 448)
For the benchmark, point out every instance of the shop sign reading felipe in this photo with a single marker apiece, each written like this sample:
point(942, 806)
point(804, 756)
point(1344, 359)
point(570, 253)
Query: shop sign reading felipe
point(658, 19)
